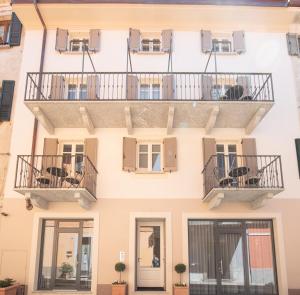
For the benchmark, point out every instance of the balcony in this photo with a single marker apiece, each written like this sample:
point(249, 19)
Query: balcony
point(149, 100)
point(252, 179)
point(46, 179)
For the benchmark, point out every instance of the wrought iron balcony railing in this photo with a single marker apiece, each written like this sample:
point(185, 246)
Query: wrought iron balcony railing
point(175, 86)
point(239, 172)
point(56, 172)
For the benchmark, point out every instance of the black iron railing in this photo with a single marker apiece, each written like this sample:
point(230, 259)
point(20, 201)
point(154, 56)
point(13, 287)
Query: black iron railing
point(55, 172)
point(181, 86)
point(232, 171)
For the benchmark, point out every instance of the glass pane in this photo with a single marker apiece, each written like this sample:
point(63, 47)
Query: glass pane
point(83, 91)
point(67, 158)
point(67, 148)
point(72, 90)
point(79, 148)
point(2, 32)
point(46, 263)
point(78, 163)
point(69, 224)
point(232, 148)
point(145, 91)
point(149, 248)
point(66, 264)
point(203, 277)
point(220, 148)
point(156, 162)
point(88, 223)
point(49, 222)
point(86, 259)
point(143, 148)
point(221, 165)
point(143, 160)
point(156, 148)
point(156, 89)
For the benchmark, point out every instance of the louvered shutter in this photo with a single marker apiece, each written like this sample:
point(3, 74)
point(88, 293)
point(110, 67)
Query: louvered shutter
point(50, 154)
point(250, 155)
point(134, 40)
point(93, 87)
point(170, 154)
point(297, 144)
point(94, 41)
point(210, 178)
point(131, 87)
point(90, 149)
point(206, 41)
point(168, 87)
point(167, 40)
point(90, 165)
point(6, 99)
point(129, 154)
point(206, 87)
point(239, 44)
point(57, 91)
point(15, 31)
point(293, 43)
point(61, 44)
point(245, 82)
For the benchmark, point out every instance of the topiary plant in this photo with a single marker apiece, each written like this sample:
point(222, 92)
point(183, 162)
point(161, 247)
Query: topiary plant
point(120, 267)
point(6, 283)
point(180, 268)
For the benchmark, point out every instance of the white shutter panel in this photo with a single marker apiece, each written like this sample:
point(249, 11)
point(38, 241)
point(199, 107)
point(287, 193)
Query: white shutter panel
point(206, 41)
point(61, 44)
point(293, 44)
point(239, 44)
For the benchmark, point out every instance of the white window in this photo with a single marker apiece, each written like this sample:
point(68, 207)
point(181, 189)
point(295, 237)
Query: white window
point(149, 157)
point(222, 46)
point(76, 91)
point(72, 156)
point(78, 41)
point(150, 91)
point(151, 42)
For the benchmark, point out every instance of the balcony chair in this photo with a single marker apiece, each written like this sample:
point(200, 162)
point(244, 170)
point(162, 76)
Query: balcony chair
point(254, 180)
point(222, 179)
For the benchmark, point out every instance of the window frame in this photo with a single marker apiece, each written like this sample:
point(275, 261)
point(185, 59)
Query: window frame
point(6, 25)
point(151, 89)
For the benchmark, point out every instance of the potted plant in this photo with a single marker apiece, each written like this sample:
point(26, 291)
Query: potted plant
point(65, 269)
point(8, 287)
point(180, 288)
point(119, 287)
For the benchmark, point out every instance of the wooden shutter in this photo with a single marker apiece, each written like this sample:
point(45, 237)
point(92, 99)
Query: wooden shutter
point(209, 149)
point(239, 44)
point(166, 40)
point(245, 82)
point(249, 149)
point(170, 154)
point(207, 85)
point(168, 86)
point(297, 144)
point(90, 149)
point(94, 41)
point(15, 31)
point(131, 87)
point(129, 154)
point(61, 44)
point(93, 87)
point(50, 150)
point(6, 99)
point(206, 41)
point(57, 91)
point(134, 40)
point(292, 43)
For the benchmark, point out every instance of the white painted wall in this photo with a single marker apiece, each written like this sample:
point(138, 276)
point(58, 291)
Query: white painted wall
point(266, 52)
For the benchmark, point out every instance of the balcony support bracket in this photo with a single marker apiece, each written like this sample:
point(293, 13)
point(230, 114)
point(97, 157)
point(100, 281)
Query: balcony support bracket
point(38, 113)
point(216, 201)
point(170, 119)
point(82, 201)
point(212, 119)
point(255, 120)
point(261, 201)
point(128, 120)
point(37, 201)
point(86, 119)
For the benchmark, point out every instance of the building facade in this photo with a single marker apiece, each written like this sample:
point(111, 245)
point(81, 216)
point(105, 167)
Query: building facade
point(154, 134)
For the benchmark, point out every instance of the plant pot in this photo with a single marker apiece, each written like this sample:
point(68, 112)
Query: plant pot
point(118, 289)
point(180, 290)
point(12, 290)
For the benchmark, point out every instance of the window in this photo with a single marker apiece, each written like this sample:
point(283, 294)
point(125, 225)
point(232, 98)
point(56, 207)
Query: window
point(149, 91)
point(222, 46)
point(4, 32)
point(76, 91)
point(73, 157)
point(151, 42)
point(66, 255)
point(149, 157)
point(226, 158)
point(78, 45)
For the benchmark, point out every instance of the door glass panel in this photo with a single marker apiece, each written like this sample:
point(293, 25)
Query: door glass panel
point(149, 248)
point(86, 258)
point(66, 264)
point(70, 224)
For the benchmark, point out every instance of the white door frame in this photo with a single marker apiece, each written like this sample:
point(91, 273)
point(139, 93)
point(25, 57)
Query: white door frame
point(150, 277)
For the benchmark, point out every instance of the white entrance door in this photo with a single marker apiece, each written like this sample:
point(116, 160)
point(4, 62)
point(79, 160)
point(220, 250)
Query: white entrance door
point(150, 255)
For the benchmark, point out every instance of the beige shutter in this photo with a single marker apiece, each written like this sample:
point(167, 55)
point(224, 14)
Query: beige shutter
point(94, 41)
point(90, 149)
point(206, 87)
point(50, 150)
point(209, 149)
point(166, 40)
point(170, 154)
point(61, 40)
point(93, 87)
point(134, 40)
point(206, 41)
point(129, 154)
point(239, 44)
point(90, 177)
point(293, 43)
point(57, 91)
point(249, 149)
point(245, 82)
point(131, 87)
point(168, 86)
